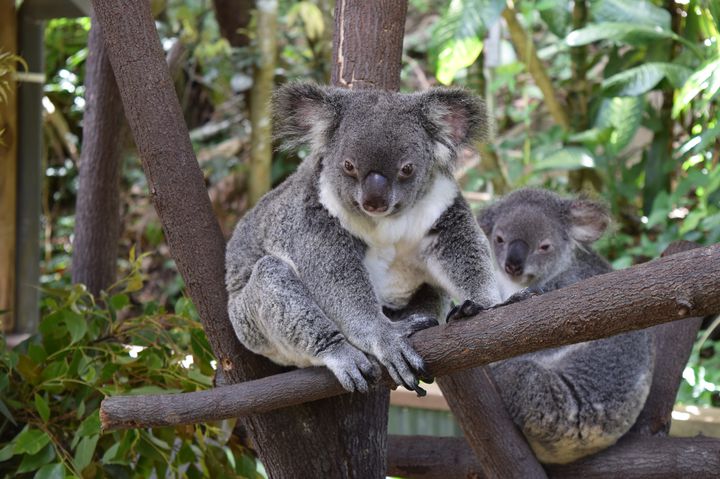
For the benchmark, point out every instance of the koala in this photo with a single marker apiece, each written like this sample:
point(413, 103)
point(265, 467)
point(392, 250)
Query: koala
point(364, 244)
point(574, 400)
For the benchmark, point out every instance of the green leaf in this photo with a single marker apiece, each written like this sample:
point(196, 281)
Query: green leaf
point(42, 407)
point(620, 32)
point(556, 15)
point(6, 412)
point(699, 143)
point(85, 450)
point(30, 441)
point(568, 158)
point(89, 427)
point(623, 115)
point(7, 452)
point(641, 12)
point(35, 461)
point(76, 326)
point(51, 471)
point(641, 79)
point(706, 81)
point(456, 40)
point(311, 17)
point(119, 301)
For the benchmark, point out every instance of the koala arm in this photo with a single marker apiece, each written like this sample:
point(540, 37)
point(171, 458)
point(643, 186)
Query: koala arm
point(335, 275)
point(459, 257)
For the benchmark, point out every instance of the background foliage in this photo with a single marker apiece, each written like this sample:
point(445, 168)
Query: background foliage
point(637, 85)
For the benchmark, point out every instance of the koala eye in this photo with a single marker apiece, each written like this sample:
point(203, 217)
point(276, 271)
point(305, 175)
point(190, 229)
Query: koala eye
point(407, 170)
point(499, 239)
point(349, 168)
point(545, 247)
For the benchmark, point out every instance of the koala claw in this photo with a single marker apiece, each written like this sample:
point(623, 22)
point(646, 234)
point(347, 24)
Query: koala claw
point(352, 368)
point(466, 310)
point(403, 364)
point(416, 322)
point(521, 295)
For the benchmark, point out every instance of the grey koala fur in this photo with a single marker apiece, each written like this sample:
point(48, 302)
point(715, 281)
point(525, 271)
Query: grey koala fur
point(317, 269)
point(575, 400)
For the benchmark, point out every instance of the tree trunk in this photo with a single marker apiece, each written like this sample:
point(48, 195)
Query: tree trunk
point(260, 98)
point(367, 45)
point(233, 17)
point(343, 437)
point(97, 213)
point(8, 178)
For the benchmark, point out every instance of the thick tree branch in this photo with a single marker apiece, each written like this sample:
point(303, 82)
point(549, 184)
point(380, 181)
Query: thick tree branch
point(676, 287)
point(634, 457)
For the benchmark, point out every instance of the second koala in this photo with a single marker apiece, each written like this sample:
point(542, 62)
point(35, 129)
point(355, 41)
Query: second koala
point(575, 400)
point(371, 226)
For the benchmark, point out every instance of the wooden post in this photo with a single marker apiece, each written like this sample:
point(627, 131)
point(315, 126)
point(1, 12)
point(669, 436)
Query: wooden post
point(8, 175)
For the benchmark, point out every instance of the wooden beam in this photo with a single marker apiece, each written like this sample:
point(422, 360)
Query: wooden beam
point(8, 167)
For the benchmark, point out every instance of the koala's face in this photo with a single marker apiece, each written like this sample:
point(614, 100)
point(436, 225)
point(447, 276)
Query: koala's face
point(382, 160)
point(528, 245)
point(379, 151)
point(533, 232)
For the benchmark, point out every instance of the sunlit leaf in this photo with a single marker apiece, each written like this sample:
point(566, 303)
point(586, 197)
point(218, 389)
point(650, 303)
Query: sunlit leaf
point(623, 115)
point(642, 12)
point(633, 34)
point(706, 80)
point(30, 441)
point(51, 471)
point(643, 78)
point(42, 407)
point(568, 158)
point(311, 17)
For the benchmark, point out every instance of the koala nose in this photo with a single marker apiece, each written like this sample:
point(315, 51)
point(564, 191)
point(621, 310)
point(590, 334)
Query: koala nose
point(516, 255)
point(375, 192)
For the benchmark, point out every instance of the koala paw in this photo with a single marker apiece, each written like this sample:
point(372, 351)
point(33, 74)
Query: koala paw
point(414, 323)
point(404, 365)
point(352, 368)
point(463, 311)
point(521, 295)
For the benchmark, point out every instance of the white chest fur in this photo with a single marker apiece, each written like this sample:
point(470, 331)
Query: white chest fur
point(394, 259)
point(506, 286)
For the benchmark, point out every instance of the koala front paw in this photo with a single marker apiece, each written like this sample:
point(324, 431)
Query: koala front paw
point(352, 368)
point(521, 295)
point(404, 365)
point(415, 322)
point(463, 311)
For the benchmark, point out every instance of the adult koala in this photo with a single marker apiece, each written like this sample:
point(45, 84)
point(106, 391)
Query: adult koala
point(574, 400)
point(371, 226)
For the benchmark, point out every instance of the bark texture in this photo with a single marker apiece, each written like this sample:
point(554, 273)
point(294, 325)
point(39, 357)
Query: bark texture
point(97, 220)
point(673, 345)
point(343, 437)
point(634, 457)
point(500, 447)
point(8, 178)
point(367, 44)
point(668, 289)
point(233, 17)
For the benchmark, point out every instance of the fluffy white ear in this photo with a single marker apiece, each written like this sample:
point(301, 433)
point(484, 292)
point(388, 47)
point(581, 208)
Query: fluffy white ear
point(306, 114)
point(588, 220)
point(454, 118)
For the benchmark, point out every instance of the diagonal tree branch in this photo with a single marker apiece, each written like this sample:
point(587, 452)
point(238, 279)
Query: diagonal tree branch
point(668, 289)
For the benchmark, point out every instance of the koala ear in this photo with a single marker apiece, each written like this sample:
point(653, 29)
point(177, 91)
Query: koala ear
point(588, 220)
point(454, 117)
point(306, 114)
point(486, 218)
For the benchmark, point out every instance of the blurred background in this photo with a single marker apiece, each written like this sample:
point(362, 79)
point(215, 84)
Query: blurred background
point(617, 99)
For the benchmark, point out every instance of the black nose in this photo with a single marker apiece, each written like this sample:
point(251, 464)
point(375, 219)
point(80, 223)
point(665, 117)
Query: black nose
point(516, 256)
point(375, 192)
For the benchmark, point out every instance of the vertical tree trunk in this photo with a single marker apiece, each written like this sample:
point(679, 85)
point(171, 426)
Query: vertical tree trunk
point(367, 44)
point(97, 214)
point(340, 437)
point(260, 96)
point(8, 166)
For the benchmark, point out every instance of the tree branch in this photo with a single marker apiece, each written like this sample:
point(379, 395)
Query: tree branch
point(676, 287)
point(640, 457)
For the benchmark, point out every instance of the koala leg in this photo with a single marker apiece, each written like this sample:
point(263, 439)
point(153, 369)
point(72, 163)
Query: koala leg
point(544, 406)
point(274, 315)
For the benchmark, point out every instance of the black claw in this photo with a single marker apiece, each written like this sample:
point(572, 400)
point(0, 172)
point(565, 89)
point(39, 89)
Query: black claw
point(522, 295)
point(465, 310)
point(420, 391)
